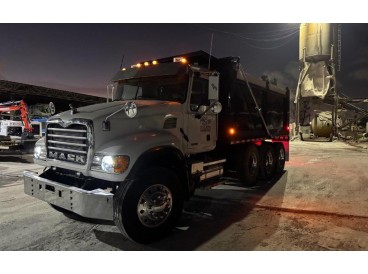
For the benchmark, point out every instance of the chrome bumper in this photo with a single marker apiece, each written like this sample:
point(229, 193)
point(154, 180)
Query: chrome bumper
point(95, 204)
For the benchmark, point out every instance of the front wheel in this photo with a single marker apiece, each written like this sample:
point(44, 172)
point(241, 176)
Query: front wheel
point(147, 209)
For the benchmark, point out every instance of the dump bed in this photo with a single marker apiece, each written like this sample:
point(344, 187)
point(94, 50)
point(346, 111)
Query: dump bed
point(239, 109)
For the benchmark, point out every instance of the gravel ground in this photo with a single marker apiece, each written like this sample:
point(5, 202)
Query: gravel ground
point(319, 203)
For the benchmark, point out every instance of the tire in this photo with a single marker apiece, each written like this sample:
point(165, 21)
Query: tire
point(135, 212)
point(280, 158)
point(267, 166)
point(248, 165)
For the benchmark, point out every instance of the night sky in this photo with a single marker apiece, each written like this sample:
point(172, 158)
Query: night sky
point(84, 57)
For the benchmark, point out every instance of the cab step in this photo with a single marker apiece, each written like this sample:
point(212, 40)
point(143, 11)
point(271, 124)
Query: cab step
point(203, 171)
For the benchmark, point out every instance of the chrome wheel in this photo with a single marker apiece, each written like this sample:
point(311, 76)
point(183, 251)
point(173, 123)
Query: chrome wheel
point(253, 164)
point(154, 205)
point(281, 157)
point(269, 162)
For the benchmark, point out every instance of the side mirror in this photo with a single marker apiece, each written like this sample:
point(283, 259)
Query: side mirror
point(213, 87)
point(216, 107)
point(202, 109)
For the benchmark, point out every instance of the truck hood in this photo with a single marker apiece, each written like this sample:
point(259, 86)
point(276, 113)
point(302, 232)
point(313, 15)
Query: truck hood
point(101, 111)
point(152, 118)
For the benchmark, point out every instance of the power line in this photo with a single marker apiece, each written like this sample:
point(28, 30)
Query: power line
point(291, 33)
point(269, 48)
point(266, 38)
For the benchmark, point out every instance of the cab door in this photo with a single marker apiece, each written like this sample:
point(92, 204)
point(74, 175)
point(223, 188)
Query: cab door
point(201, 129)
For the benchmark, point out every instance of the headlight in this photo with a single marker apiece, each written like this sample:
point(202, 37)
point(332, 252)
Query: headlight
point(37, 152)
point(40, 150)
point(110, 164)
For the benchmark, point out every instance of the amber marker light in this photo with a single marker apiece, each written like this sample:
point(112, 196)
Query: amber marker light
point(231, 131)
point(121, 164)
point(146, 64)
point(184, 61)
point(154, 62)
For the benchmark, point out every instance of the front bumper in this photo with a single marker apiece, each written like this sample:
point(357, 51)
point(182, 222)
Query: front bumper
point(95, 204)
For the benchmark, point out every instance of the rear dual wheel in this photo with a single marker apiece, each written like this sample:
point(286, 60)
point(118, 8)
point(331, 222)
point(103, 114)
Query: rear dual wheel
point(268, 162)
point(248, 165)
point(263, 163)
point(280, 157)
point(272, 160)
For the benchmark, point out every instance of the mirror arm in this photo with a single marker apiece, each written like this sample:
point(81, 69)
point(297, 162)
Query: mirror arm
point(200, 115)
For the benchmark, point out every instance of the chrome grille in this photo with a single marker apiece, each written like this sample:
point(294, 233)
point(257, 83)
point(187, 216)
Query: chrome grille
point(67, 143)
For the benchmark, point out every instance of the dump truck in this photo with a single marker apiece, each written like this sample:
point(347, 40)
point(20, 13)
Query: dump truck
point(172, 125)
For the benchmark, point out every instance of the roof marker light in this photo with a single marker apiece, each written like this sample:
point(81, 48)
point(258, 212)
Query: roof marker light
point(146, 64)
point(180, 59)
point(136, 65)
point(154, 62)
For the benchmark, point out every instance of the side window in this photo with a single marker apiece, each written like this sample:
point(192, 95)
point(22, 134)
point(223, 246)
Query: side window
point(199, 96)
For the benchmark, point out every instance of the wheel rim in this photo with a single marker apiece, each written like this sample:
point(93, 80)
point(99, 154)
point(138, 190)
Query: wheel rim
point(269, 162)
point(252, 164)
point(281, 157)
point(154, 205)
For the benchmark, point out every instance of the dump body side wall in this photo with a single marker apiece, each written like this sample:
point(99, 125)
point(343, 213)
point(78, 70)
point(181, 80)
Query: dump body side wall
point(239, 109)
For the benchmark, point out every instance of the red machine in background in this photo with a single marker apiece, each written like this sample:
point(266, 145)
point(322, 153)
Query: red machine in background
point(15, 135)
point(22, 107)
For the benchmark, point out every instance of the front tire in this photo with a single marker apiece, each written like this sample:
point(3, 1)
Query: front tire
point(147, 209)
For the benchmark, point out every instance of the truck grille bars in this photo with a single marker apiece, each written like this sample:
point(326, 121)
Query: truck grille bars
point(67, 143)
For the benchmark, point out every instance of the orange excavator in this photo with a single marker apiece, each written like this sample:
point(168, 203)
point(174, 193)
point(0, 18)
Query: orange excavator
point(9, 138)
point(22, 107)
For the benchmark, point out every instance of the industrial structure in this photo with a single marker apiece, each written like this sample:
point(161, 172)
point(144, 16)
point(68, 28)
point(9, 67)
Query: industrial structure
point(320, 107)
point(32, 95)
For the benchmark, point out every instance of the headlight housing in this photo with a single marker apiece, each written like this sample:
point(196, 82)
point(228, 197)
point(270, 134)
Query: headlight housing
point(40, 150)
point(37, 152)
point(110, 163)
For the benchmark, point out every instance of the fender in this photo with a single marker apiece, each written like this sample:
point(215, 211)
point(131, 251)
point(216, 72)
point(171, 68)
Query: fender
point(167, 157)
point(134, 146)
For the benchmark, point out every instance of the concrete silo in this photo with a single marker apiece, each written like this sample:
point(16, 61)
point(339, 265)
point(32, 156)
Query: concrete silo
point(316, 83)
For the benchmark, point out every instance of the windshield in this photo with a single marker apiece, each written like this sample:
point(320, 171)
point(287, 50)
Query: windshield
point(163, 88)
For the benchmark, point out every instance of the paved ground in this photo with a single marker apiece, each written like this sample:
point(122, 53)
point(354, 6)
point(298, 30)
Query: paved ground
point(319, 203)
